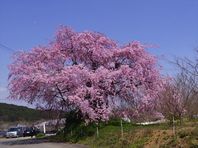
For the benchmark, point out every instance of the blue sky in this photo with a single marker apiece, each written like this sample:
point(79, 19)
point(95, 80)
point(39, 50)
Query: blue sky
point(170, 24)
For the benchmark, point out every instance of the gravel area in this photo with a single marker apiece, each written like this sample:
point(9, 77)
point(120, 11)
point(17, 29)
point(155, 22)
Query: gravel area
point(34, 143)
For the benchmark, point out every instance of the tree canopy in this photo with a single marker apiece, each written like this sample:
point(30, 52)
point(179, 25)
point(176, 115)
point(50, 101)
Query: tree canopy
point(89, 73)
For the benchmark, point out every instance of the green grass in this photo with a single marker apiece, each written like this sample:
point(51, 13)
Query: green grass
point(110, 135)
point(135, 136)
point(40, 135)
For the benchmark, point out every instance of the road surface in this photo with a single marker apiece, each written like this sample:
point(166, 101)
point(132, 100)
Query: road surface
point(34, 143)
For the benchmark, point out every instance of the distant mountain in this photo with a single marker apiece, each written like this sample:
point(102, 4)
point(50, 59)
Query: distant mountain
point(12, 113)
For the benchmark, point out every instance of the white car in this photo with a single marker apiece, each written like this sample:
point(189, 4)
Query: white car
point(12, 133)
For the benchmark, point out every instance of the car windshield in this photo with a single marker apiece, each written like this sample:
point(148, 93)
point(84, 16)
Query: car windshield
point(28, 129)
point(12, 129)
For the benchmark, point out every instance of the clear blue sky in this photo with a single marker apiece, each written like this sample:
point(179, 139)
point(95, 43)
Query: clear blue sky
point(170, 24)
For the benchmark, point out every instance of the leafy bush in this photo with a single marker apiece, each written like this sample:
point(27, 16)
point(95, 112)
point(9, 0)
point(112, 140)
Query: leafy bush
point(40, 135)
point(75, 128)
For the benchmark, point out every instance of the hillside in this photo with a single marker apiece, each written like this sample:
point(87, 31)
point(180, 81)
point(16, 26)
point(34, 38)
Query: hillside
point(12, 113)
point(135, 136)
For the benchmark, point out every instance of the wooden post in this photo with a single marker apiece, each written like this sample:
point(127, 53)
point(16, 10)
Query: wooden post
point(121, 127)
point(44, 128)
point(97, 131)
point(173, 126)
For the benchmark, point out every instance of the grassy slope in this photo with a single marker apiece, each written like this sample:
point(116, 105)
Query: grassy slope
point(110, 136)
point(153, 136)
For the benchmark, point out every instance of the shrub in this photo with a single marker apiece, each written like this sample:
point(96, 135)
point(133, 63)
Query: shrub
point(40, 135)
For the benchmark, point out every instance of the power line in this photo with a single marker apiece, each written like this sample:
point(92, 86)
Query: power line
point(6, 47)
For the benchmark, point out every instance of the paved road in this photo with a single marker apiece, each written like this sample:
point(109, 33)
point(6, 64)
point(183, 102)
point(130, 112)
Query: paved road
point(34, 143)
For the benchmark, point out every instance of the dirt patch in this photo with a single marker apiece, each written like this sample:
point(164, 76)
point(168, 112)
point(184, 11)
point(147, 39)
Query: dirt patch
point(158, 137)
point(185, 137)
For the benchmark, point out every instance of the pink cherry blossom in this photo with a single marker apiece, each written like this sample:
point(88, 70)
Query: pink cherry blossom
point(87, 72)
